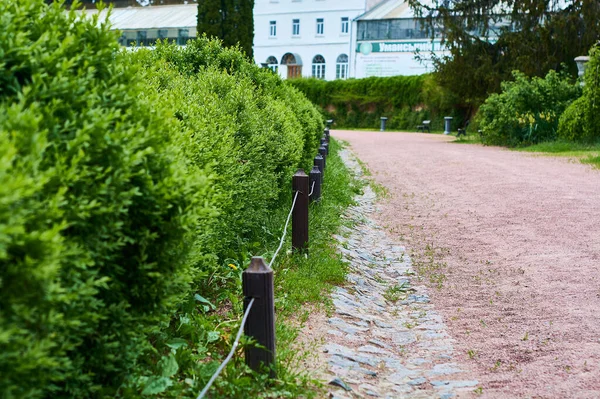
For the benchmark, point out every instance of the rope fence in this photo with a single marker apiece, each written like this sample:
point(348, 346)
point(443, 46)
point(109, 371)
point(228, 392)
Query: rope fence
point(258, 321)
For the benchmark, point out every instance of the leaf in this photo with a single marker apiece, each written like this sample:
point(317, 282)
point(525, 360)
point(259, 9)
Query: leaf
point(177, 343)
point(201, 299)
point(156, 385)
point(213, 336)
point(169, 366)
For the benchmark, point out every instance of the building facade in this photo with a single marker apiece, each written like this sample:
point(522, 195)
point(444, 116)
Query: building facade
point(143, 26)
point(309, 38)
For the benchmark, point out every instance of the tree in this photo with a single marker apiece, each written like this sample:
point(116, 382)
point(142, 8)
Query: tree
point(533, 36)
point(229, 20)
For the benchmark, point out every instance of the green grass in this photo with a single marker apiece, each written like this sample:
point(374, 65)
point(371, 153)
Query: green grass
point(586, 153)
point(302, 284)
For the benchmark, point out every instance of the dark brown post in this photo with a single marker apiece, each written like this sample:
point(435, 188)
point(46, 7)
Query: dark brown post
point(314, 179)
point(301, 186)
point(320, 163)
point(257, 283)
point(323, 152)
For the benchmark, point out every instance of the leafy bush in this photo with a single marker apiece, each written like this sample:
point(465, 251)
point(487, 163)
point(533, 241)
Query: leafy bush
point(591, 93)
point(99, 210)
point(572, 122)
point(527, 110)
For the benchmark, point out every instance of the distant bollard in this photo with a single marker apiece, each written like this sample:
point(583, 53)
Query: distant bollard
point(447, 124)
point(319, 162)
point(300, 186)
point(326, 145)
point(323, 140)
point(383, 121)
point(329, 122)
point(257, 283)
point(323, 152)
point(314, 181)
point(327, 134)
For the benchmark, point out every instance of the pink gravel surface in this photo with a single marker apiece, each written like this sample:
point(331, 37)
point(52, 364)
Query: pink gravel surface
point(517, 237)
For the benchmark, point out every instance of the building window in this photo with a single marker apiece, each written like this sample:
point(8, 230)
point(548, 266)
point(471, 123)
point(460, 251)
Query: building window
point(320, 26)
point(142, 38)
point(341, 67)
point(344, 24)
point(273, 28)
point(272, 64)
point(182, 38)
point(318, 67)
point(295, 27)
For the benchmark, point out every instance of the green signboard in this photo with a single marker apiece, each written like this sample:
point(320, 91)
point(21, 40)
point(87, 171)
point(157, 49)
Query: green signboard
point(367, 48)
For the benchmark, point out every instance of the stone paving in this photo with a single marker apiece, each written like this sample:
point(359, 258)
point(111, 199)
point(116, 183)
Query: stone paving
point(385, 339)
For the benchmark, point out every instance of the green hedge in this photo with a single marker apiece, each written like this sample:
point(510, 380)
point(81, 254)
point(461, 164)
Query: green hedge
point(527, 111)
point(123, 189)
point(359, 103)
point(98, 209)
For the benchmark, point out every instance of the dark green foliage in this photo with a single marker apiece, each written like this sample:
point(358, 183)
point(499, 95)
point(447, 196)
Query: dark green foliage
point(359, 103)
point(232, 21)
point(98, 209)
point(111, 176)
point(581, 121)
point(571, 126)
point(530, 36)
point(527, 111)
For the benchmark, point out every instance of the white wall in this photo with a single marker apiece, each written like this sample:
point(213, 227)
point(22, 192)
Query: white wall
point(308, 44)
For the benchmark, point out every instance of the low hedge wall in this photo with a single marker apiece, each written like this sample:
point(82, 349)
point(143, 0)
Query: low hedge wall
point(359, 103)
point(125, 180)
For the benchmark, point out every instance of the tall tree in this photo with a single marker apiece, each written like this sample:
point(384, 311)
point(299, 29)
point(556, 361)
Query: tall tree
point(229, 20)
point(532, 36)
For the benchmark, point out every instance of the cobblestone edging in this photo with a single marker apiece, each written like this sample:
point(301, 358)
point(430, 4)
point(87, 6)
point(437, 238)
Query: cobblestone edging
point(385, 338)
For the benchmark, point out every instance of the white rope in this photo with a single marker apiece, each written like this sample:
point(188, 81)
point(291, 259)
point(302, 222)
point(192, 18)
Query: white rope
point(239, 334)
point(284, 230)
point(312, 188)
point(228, 358)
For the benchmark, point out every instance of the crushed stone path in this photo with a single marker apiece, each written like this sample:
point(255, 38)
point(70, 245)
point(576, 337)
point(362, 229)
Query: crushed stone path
point(385, 338)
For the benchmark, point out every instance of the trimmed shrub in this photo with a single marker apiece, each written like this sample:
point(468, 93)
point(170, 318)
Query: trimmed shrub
point(251, 129)
point(527, 111)
point(359, 103)
point(98, 212)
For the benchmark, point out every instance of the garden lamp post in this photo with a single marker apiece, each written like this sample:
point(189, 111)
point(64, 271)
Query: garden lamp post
point(581, 62)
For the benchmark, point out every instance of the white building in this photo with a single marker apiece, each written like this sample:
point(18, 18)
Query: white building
point(144, 25)
point(306, 37)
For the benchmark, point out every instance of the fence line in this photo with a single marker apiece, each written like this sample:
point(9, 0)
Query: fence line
point(228, 358)
point(262, 288)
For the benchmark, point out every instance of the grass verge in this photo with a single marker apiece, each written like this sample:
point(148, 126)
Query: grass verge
point(586, 153)
point(301, 283)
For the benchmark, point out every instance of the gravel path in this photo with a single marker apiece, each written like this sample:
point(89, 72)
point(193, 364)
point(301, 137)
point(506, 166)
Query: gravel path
point(509, 244)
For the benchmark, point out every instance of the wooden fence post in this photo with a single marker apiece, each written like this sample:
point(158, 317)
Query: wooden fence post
point(314, 179)
point(301, 186)
point(323, 152)
point(320, 163)
point(257, 283)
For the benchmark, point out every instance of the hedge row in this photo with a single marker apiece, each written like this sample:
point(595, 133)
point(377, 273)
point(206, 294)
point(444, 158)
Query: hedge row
point(124, 180)
point(359, 103)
